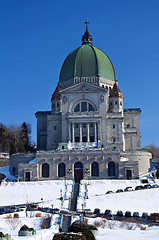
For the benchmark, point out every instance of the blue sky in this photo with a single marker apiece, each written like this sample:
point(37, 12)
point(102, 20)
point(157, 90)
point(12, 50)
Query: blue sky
point(37, 36)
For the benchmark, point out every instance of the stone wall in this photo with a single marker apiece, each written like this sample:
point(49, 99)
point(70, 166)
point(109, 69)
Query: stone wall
point(15, 159)
point(142, 157)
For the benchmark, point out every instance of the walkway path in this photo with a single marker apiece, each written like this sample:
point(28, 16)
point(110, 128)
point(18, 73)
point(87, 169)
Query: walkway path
point(66, 219)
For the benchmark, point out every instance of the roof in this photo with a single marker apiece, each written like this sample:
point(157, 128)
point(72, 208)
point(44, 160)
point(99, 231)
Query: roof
point(56, 95)
point(115, 92)
point(87, 61)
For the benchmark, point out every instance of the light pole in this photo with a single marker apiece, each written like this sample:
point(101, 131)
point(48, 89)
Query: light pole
point(61, 195)
point(52, 207)
point(82, 206)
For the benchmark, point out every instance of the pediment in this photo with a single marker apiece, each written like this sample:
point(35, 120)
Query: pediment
point(83, 88)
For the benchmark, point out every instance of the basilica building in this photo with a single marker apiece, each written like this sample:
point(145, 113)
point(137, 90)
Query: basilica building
point(87, 133)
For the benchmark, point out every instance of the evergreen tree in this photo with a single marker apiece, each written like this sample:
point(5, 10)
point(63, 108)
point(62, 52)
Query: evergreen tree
point(12, 144)
point(24, 136)
point(4, 146)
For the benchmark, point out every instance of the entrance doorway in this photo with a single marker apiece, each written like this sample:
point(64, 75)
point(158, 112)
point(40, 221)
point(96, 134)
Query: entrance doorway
point(27, 176)
point(78, 171)
point(128, 174)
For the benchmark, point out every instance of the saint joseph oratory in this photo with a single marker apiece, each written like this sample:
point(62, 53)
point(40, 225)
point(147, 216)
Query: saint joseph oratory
point(87, 133)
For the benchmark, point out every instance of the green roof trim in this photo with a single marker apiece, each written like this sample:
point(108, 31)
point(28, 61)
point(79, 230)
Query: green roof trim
point(87, 61)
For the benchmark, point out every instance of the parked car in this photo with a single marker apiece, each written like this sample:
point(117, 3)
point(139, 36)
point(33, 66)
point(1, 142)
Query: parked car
point(32, 207)
point(13, 209)
point(110, 217)
point(140, 187)
point(107, 212)
point(2, 211)
point(154, 186)
point(144, 215)
point(119, 213)
point(96, 210)
point(99, 215)
point(136, 214)
point(46, 209)
point(147, 186)
point(119, 191)
point(127, 214)
point(109, 192)
point(54, 210)
point(128, 189)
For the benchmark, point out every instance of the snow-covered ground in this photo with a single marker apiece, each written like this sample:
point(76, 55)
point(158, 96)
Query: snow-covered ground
point(140, 201)
point(50, 191)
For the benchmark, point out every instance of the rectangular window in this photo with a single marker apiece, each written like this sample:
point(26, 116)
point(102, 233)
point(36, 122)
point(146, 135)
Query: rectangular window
point(114, 140)
point(55, 128)
point(116, 103)
point(91, 138)
point(84, 125)
point(113, 125)
point(128, 125)
point(76, 125)
point(84, 139)
point(77, 139)
point(83, 106)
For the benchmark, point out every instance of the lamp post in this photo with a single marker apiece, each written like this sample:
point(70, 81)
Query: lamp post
point(82, 206)
point(61, 195)
point(65, 181)
point(52, 207)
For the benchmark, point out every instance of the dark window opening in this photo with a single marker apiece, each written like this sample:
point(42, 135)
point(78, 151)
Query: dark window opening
point(84, 139)
point(76, 139)
point(91, 108)
point(95, 169)
point(45, 170)
point(91, 138)
point(111, 169)
point(83, 106)
point(77, 108)
point(61, 170)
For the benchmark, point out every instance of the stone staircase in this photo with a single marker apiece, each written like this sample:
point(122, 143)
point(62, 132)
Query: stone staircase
point(73, 202)
point(66, 219)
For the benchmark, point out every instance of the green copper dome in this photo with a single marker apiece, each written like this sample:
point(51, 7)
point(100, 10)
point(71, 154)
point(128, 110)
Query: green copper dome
point(87, 61)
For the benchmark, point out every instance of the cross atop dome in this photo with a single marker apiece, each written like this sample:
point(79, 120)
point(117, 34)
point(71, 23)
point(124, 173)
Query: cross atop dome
point(87, 38)
point(86, 22)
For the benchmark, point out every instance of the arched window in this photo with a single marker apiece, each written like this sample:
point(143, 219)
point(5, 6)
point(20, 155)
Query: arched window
point(45, 170)
point(84, 107)
point(95, 169)
point(111, 169)
point(61, 170)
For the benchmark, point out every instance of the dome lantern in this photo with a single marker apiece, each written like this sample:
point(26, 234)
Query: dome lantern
point(87, 38)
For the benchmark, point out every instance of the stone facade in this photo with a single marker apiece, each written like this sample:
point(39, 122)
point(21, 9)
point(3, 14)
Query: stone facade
point(87, 133)
point(91, 164)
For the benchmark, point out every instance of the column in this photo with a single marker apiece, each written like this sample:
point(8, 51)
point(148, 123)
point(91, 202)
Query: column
point(88, 139)
point(95, 132)
point(73, 132)
point(69, 132)
point(98, 131)
point(80, 132)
